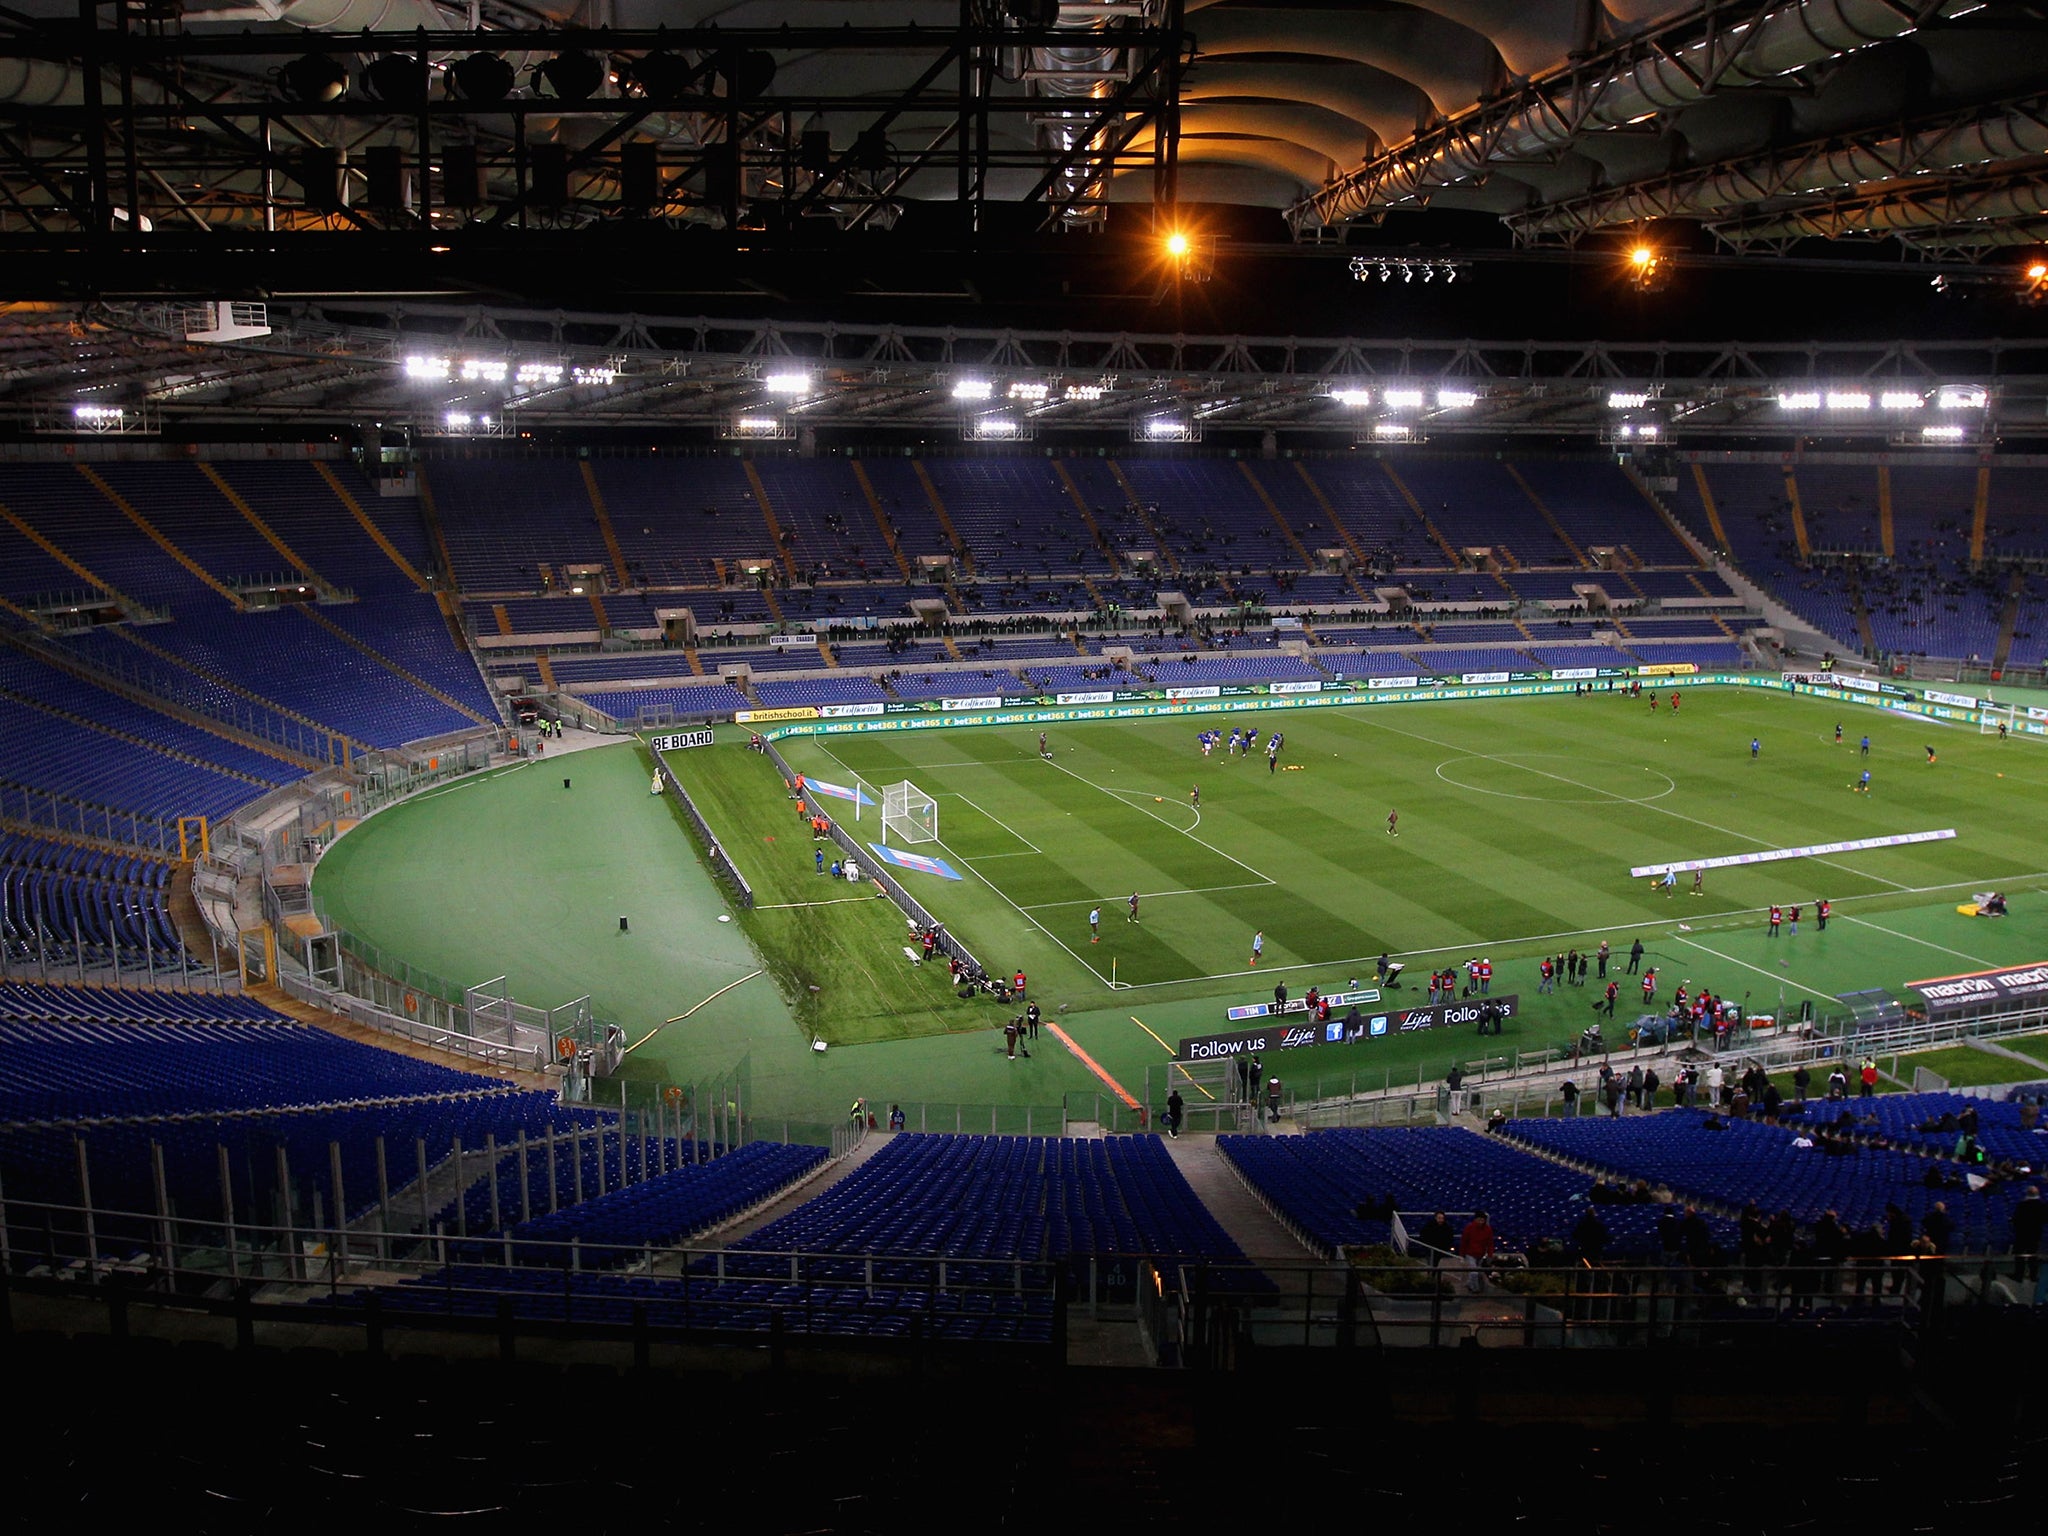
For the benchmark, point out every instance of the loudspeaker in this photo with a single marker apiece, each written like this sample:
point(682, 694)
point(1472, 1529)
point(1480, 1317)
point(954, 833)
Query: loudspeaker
point(384, 169)
point(317, 169)
point(639, 175)
point(548, 174)
point(461, 177)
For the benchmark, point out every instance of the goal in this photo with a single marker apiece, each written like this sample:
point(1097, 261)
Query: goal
point(1991, 716)
point(909, 814)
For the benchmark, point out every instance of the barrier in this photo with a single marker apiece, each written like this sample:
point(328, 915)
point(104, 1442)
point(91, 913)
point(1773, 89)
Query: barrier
point(721, 866)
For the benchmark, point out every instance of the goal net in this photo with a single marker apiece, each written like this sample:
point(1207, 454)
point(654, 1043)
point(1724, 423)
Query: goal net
point(1991, 717)
point(909, 815)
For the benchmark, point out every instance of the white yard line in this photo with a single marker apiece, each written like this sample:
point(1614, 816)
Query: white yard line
point(1184, 832)
point(992, 816)
point(1783, 981)
point(1911, 939)
point(1034, 922)
point(1194, 890)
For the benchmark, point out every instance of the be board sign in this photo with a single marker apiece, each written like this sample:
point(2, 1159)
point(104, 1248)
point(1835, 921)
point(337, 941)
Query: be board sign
point(678, 743)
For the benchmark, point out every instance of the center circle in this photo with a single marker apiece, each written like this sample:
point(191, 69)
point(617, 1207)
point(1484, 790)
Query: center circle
point(1555, 778)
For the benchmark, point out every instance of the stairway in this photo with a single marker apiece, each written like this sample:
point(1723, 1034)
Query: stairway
point(931, 494)
point(1273, 511)
point(1556, 527)
point(786, 553)
point(867, 489)
point(157, 537)
point(604, 526)
point(2008, 623)
point(314, 615)
point(376, 534)
point(1159, 545)
point(270, 534)
point(1435, 533)
point(1088, 520)
point(1237, 1210)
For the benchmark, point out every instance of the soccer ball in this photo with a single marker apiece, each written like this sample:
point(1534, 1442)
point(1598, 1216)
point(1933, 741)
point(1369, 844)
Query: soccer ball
point(1159, 799)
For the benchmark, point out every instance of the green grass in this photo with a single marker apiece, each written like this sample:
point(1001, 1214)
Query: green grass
point(1519, 821)
point(1967, 1068)
point(2035, 1046)
point(836, 949)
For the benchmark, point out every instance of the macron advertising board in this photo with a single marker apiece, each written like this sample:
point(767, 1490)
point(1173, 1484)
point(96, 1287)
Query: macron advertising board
point(2012, 987)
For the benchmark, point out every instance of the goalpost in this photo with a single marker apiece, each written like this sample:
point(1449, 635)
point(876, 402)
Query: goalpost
point(909, 813)
point(1991, 716)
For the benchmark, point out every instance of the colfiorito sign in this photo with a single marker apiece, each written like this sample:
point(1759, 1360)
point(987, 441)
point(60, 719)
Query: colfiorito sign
point(2016, 986)
point(1395, 1021)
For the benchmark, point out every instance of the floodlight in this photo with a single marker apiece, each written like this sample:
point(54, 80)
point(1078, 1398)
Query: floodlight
point(1456, 399)
point(1800, 400)
point(1028, 392)
point(1627, 399)
point(97, 412)
point(573, 75)
point(1177, 245)
point(427, 369)
point(787, 383)
point(972, 389)
point(394, 78)
point(486, 370)
point(1848, 400)
point(1900, 400)
point(539, 373)
point(482, 77)
point(313, 77)
point(1961, 397)
point(1403, 399)
point(456, 419)
point(996, 426)
point(2037, 272)
point(598, 375)
point(1392, 431)
point(756, 426)
point(1350, 396)
point(1084, 392)
point(1647, 429)
point(1942, 434)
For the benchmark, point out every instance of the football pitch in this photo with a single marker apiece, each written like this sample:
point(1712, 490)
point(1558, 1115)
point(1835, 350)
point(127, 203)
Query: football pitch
point(1519, 820)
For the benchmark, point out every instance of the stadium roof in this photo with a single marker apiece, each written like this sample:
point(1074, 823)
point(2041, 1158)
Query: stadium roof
point(1763, 122)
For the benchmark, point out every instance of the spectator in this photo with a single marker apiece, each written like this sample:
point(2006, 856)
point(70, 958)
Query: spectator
point(2027, 1215)
point(1436, 1236)
point(1937, 1226)
point(1475, 1247)
point(1590, 1237)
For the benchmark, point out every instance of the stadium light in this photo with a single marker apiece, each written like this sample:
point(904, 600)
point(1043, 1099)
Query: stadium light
point(1084, 392)
point(1961, 397)
point(787, 383)
point(599, 375)
point(1942, 434)
point(1456, 399)
point(1900, 400)
point(1800, 400)
point(431, 370)
point(1030, 393)
point(1178, 245)
point(758, 426)
point(972, 389)
point(1403, 399)
point(538, 373)
point(1351, 396)
point(98, 413)
point(996, 427)
point(1627, 399)
point(485, 370)
point(1848, 400)
point(1392, 431)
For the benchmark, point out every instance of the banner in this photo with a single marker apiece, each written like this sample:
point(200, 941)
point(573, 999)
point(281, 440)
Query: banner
point(1300, 1004)
point(770, 716)
point(847, 711)
point(1812, 851)
point(1390, 682)
point(1484, 677)
point(835, 791)
point(2033, 713)
point(1397, 1021)
point(994, 702)
point(792, 642)
point(1667, 669)
point(2017, 986)
point(1294, 687)
point(1958, 700)
point(678, 743)
point(1084, 698)
point(922, 863)
point(1211, 692)
point(1573, 674)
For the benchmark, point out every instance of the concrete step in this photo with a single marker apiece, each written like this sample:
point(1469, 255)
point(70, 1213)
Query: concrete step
point(1235, 1207)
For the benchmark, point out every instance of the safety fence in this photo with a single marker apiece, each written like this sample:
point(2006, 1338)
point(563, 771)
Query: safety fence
point(714, 851)
point(34, 809)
